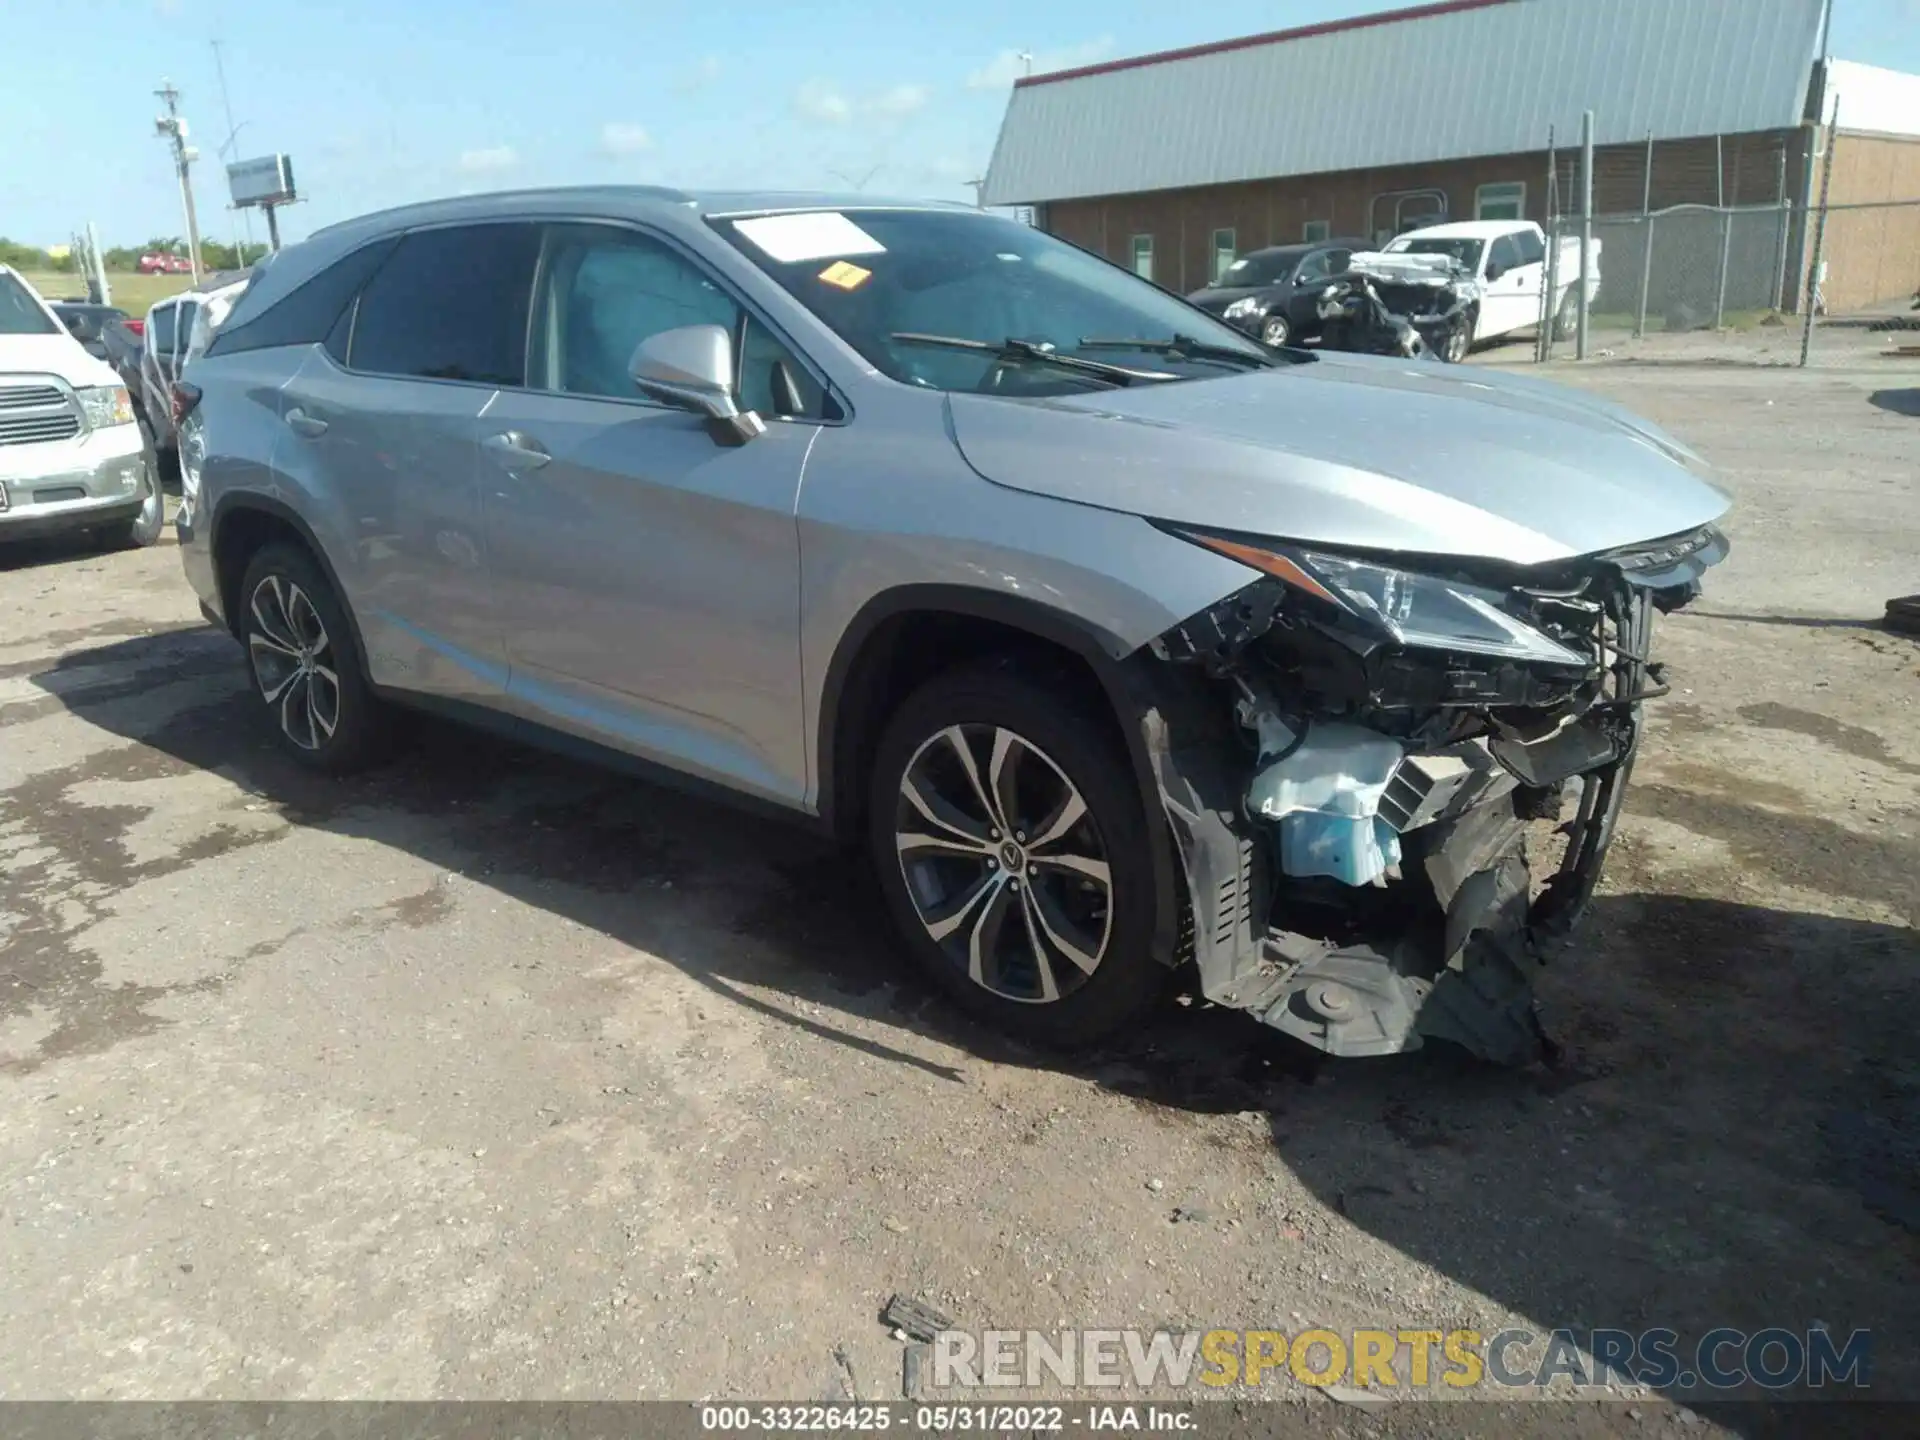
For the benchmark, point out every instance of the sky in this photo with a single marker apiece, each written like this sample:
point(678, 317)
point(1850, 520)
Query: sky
point(381, 102)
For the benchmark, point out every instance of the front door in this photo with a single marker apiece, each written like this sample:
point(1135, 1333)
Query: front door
point(649, 575)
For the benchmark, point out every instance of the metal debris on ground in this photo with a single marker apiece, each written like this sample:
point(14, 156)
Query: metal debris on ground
point(917, 1319)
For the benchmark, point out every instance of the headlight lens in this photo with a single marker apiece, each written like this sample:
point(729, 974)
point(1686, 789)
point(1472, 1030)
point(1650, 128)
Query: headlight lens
point(105, 405)
point(1423, 611)
point(1241, 309)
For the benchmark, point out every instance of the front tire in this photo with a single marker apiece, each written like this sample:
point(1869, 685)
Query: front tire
point(1007, 833)
point(1459, 342)
point(305, 665)
point(1275, 331)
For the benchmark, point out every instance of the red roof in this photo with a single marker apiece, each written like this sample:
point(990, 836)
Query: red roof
point(1271, 37)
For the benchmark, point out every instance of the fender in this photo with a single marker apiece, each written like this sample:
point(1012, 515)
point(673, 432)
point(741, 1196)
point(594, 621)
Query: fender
point(236, 501)
point(844, 690)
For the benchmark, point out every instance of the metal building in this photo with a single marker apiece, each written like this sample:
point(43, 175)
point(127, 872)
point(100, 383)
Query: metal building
point(1175, 162)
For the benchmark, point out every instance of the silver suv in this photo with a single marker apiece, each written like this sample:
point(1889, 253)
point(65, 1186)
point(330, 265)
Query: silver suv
point(1122, 642)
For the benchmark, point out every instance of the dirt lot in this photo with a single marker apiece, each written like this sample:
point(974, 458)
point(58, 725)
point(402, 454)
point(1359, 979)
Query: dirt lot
point(490, 1076)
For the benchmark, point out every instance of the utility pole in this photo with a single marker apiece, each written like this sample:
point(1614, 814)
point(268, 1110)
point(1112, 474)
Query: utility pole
point(229, 153)
point(174, 127)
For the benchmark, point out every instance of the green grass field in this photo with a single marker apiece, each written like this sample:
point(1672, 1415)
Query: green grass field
point(131, 293)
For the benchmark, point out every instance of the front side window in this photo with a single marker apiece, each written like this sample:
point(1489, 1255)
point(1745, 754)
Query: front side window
point(19, 313)
point(1505, 201)
point(1313, 269)
point(608, 289)
point(450, 304)
point(1223, 252)
point(911, 290)
point(1505, 256)
point(1143, 256)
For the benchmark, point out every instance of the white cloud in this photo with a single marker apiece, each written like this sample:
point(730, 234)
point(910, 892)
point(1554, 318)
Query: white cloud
point(1009, 65)
point(817, 100)
point(620, 138)
point(495, 157)
point(699, 75)
point(899, 102)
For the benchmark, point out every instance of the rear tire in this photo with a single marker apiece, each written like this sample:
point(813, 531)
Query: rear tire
point(1043, 932)
point(1566, 320)
point(305, 665)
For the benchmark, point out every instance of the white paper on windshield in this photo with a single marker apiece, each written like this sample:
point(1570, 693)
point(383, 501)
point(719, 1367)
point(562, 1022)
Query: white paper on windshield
point(816, 235)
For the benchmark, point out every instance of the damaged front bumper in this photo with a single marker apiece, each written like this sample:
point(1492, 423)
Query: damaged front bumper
point(1351, 818)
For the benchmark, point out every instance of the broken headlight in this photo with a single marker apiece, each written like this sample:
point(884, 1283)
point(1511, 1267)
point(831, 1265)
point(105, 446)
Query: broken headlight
point(1431, 612)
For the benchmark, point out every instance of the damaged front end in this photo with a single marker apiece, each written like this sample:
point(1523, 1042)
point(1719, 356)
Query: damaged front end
point(1350, 754)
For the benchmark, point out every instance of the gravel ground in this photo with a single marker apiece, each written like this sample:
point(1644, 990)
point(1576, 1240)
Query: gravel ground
point(492, 1076)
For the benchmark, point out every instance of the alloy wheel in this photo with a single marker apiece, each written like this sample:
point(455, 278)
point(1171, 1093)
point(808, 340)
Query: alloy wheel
point(1275, 331)
point(293, 661)
point(1004, 863)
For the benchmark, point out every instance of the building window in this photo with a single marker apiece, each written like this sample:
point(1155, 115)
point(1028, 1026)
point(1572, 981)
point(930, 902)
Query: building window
point(1505, 201)
point(1223, 253)
point(1143, 256)
point(1314, 231)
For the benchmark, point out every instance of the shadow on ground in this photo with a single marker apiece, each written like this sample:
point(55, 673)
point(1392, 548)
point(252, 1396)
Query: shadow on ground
point(1897, 402)
point(1731, 1140)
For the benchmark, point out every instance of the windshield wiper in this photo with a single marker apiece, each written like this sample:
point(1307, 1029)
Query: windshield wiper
point(1011, 351)
point(1182, 347)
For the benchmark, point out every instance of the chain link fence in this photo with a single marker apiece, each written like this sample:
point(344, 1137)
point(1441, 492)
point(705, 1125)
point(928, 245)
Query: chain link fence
point(1738, 280)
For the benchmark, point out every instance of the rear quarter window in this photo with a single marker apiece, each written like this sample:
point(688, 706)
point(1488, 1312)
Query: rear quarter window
point(306, 314)
point(451, 304)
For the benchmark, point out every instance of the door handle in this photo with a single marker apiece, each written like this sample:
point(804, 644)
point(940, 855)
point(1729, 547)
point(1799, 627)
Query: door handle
point(301, 423)
point(517, 450)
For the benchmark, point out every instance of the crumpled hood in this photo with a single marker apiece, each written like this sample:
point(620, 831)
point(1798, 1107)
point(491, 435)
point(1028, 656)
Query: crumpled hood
point(1355, 451)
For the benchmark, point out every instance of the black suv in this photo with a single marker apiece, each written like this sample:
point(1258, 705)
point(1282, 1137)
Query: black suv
point(1271, 293)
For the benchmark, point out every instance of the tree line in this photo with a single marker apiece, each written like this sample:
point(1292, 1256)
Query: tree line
point(214, 255)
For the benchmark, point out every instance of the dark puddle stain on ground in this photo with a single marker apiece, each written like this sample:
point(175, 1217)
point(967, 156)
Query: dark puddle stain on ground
point(1852, 740)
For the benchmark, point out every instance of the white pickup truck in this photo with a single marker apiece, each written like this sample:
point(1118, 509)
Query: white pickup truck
point(71, 455)
point(1507, 261)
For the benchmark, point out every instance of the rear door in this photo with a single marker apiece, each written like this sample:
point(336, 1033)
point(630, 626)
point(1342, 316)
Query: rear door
point(649, 577)
point(382, 426)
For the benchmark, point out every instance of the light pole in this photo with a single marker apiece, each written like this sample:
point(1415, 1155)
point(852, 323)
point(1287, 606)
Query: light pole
point(174, 127)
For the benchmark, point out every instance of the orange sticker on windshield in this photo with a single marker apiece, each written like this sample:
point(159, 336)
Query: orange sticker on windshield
point(846, 275)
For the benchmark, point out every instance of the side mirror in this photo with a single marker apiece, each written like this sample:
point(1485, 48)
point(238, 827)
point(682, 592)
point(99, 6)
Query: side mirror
point(692, 369)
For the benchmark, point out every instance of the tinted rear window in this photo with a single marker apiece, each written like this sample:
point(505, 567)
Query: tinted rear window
point(306, 313)
point(450, 305)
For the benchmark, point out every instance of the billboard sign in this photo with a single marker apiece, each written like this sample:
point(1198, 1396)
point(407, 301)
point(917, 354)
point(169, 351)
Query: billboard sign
point(266, 181)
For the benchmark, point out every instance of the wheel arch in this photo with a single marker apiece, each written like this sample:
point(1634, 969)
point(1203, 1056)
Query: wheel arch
point(906, 635)
point(242, 522)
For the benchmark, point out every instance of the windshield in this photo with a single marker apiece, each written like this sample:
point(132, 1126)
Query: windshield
point(1259, 270)
point(20, 314)
point(874, 275)
point(1467, 252)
